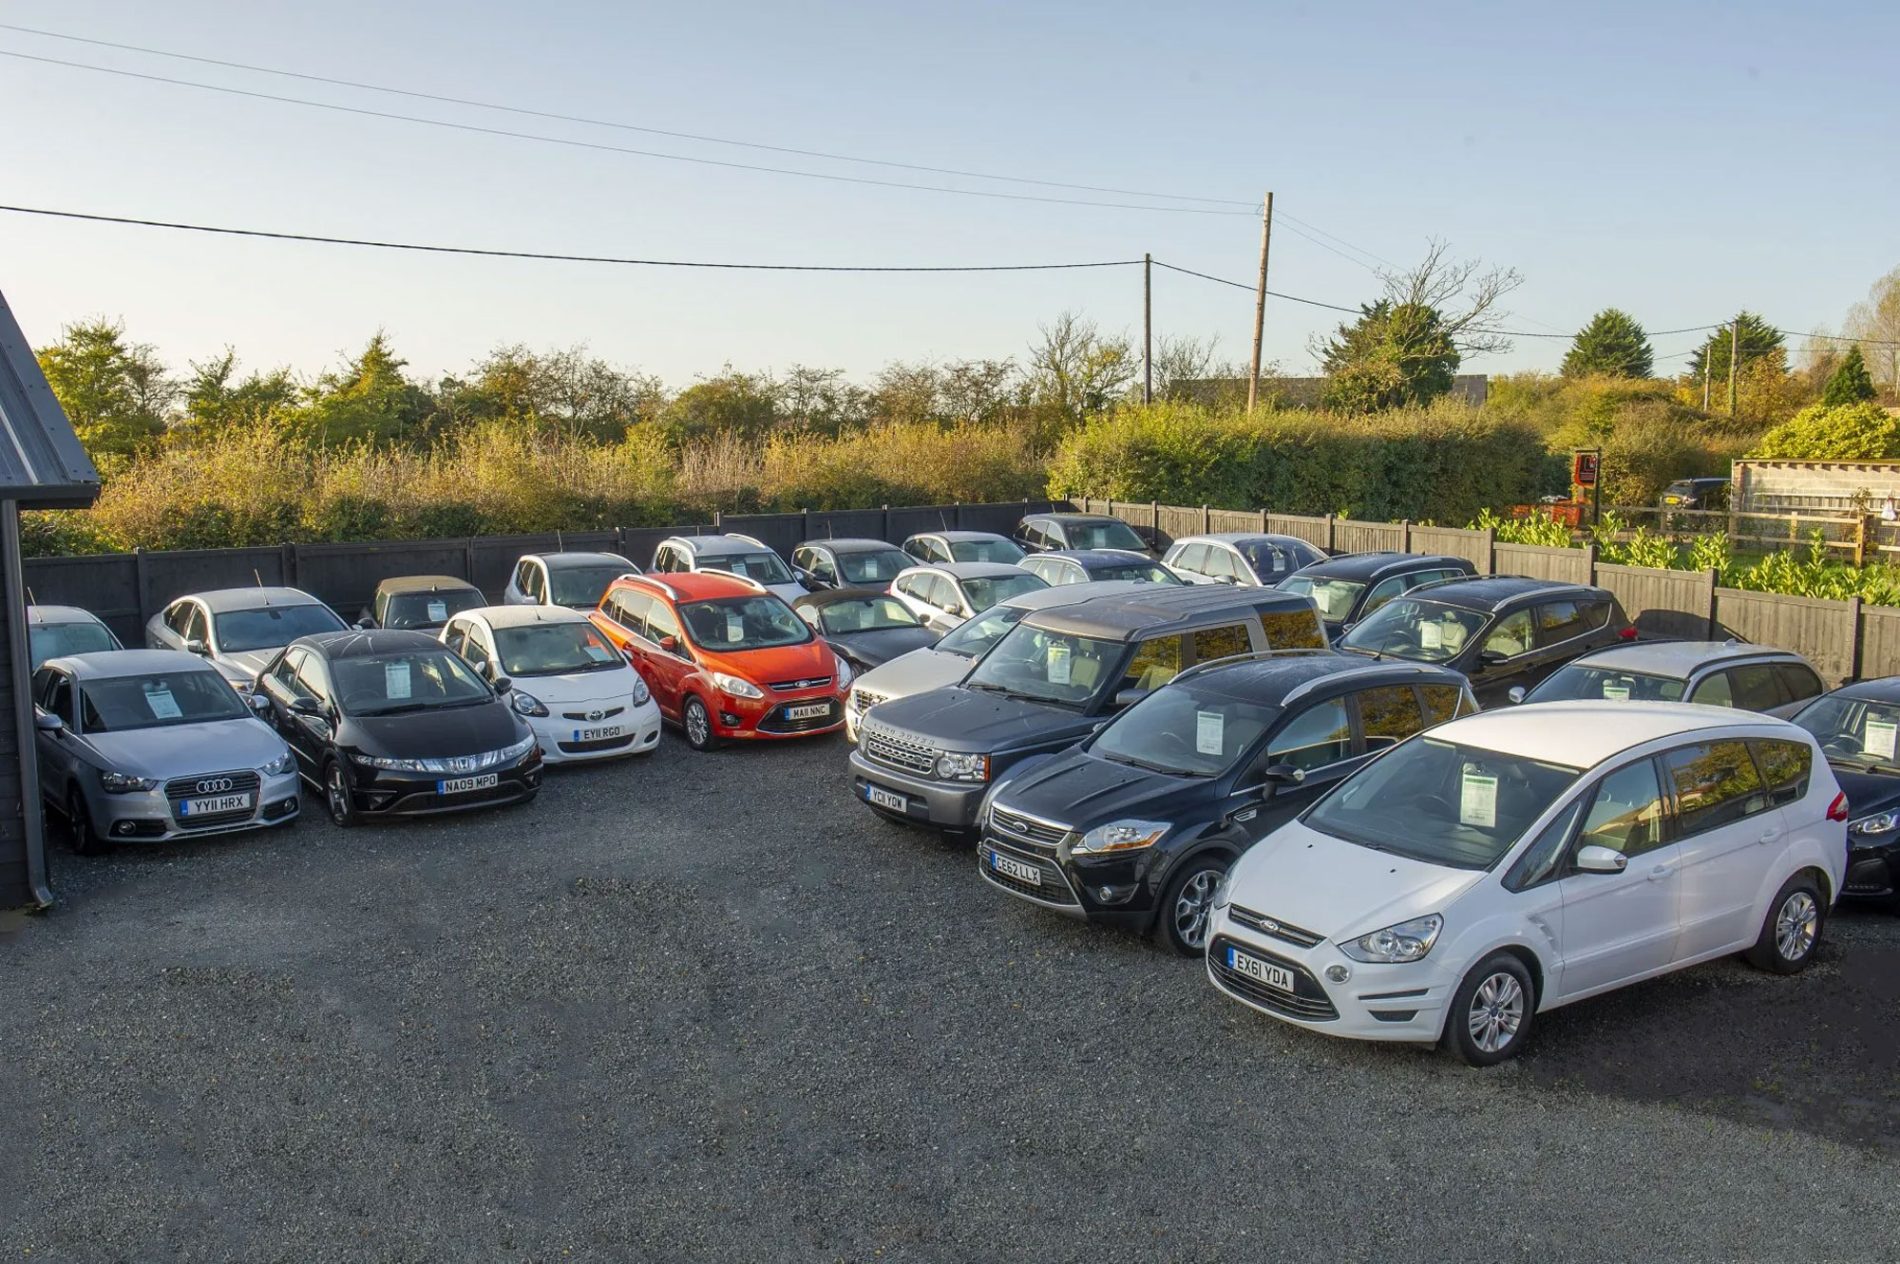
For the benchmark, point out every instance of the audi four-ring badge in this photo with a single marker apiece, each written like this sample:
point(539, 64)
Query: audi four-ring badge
point(140, 746)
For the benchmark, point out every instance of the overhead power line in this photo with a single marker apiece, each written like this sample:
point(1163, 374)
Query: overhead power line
point(1248, 207)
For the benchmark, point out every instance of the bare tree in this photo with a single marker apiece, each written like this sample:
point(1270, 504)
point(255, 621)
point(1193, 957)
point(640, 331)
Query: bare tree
point(1076, 369)
point(1876, 323)
point(1463, 292)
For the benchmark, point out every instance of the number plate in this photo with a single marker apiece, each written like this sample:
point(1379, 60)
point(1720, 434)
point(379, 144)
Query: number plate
point(218, 803)
point(809, 711)
point(462, 785)
point(1261, 971)
point(600, 734)
point(1010, 867)
point(886, 799)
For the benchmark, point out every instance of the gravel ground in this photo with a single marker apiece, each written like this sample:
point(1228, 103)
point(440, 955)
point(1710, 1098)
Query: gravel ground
point(708, 1007)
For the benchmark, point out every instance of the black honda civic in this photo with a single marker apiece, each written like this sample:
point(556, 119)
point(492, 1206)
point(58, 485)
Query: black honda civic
point(1858, 727)
point(392, 724)
point(1137, 825)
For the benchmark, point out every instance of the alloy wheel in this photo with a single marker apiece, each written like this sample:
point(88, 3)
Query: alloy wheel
point(698, 724)
point(1497, 1011)
point(336, 795)
point(1192, 906)
point(1796, 925)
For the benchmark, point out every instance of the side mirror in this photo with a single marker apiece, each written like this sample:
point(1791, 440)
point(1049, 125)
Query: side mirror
point(670, 644)
point(196, 645)
point(1489, 658)
point(1129, 697)
point(1283, 775)
point(305, 706)
point(503, 685)
point(365, 624)
point(1516, 694)
point(259, 703)
point(46, 721)
point(1595, 859)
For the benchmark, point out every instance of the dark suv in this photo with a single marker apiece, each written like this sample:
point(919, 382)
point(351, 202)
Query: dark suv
point(1502, 631)
point(1052, 680)
point(1039, 533)
point(1137, 825)
point(1347, 589)
point(1696, 493)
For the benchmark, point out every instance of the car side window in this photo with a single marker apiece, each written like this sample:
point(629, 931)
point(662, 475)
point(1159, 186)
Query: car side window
point(1053, 536)
point(1714, 691)
point(1511, 636)
point(312, 680)
point(283, 672)
point(630, 610)
point(42, 681)
point(1755, 687)
point(1715, 784)
point(1440, 702)
point(1382, 592)
point(1154, 663)
point(1293, 629)
point(1785, 766)
point(1221, 642)
point(941, 592)
point(1559, 621)
point(1626, 811)
point(474, 652)
point(820, 565)
point(661, 622)
point(176, 617)
point(1544, 857)
point(455, 636)
point(523, 569)
point(1193, 557)
point(59, 698)
point(195, 628)
point(1388, 715)
point(1798, 682)
point(536, 584)
point(1316, 737)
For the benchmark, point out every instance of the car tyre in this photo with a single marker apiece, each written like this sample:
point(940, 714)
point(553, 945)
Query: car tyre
point(337, 797)
point(1791, 929)
point(1187, 907)
point(86, 840)
point(1490, 1016)
point(697, 721)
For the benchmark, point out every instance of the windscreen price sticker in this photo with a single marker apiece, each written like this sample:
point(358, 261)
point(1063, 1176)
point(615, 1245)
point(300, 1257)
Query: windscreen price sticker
point(165, 707)
point(1058, 662)
point(396, 680)
point(1431, 636)
point(1478, 800)
point(1615, 692)
point(1210, 730)
point(438, 611)
point(1877, 738)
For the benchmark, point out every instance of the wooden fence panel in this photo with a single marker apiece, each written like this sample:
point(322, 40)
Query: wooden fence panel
point(1178, 521)
point(1315, 531)
point(1662, 603)
point(106, 584)
point(1235, 520)
point(1820, 631)
point(1350, 536)
point(1472, 545)
point(1566, 566)
point(1879, 642)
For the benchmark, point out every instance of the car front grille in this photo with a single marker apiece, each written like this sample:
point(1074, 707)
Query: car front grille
point(1025, 828)
point(812, 682)
point(597, 744)
point(1308, 1000)
point(863, 700)
point(179, 789)
point(898, 750)
point(1274, 927)
point(1054, 889)
point(592, 717)
point(775, 720)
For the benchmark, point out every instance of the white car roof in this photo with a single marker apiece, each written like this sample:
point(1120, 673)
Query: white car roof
point(522, 616)
point(716, 545)
point(1584, 733)
point(220, 600)
point(1069, 594)
point(966, 570)
point(1680, 659)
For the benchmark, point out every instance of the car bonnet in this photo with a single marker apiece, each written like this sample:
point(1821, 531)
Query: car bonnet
point(165, 751)
point(1340, 889)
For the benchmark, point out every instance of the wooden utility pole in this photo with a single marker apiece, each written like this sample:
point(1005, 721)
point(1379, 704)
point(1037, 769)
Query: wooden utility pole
point(1260, 302)
point(1708, 366)
point(1734, 359)
point(1147, 328)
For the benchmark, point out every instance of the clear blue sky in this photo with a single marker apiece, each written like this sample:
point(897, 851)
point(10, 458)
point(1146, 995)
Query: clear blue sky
point(1678, 160)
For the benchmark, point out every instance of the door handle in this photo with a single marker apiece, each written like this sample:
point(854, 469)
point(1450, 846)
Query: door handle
point(1769, 836)
point(1660, 872)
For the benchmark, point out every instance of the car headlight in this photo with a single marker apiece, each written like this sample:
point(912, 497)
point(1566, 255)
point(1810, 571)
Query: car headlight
point(641, 694)
point(1408, 941)
point(736, 687)
point(121, 783)
point(1121, 836)
point(956, 766)
point(1878, 823)
point(284, 763)
point(395, 765)
point(527, 704)
point(516, 750)
point(1224, 889)
point(844, 672)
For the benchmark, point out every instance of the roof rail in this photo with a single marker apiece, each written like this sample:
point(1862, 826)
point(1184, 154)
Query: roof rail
point(655, 580)
point(747, 580)
point(749, 539)
point(1257, 656)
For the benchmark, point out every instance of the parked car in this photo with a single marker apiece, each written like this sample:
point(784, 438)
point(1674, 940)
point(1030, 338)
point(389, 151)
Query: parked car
point(1136, 825)
point(724, 657)
point(1081, 566)
point(419, 603)
point(949, 660)
point(962, 546)
point(1040, 533)
point(866, 627)
point(1696, 493)
point(1502, 631)
point(1348, 588)
point(733, 554)
point(56, 631)
point(1510, 862)
point(1714, 673)
point(575, 580)
point(390, 723)
point(1051, 681)
point(239, 630)
point(942, 595)
point(1238, 557)
point(820, 564)
point(150, 745)
point(577, 691)
point(1857, 727)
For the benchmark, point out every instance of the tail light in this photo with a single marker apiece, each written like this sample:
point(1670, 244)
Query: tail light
point(1837, 810)
point(1627, 634)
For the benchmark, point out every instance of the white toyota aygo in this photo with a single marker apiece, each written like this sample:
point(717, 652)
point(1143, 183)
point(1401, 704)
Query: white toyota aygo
point(1510, 862)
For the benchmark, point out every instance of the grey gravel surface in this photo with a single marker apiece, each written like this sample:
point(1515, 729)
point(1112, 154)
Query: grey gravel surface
point(706, 1006)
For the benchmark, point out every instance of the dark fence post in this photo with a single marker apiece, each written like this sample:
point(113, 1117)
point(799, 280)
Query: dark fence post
point(1331, 536)
point(1491, 551)
point(1405, 535)
point(804, 523)
point(1590, 563)
point(289, 562)
point(1853, 654)
point(620, 541)
point(719, 522)
point(1709, 579)
point(885, 534)
point(138, 583)
point(1263, 522)
point(1207, 519)
point(469, 562)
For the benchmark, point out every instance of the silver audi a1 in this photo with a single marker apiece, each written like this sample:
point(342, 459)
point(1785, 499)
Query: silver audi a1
point(149, 745)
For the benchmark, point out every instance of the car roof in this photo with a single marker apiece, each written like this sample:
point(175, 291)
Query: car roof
point(1065, 516)
point(954, 536)
point(522, 616)
point(1246, 537)
point(561, 561)
point(700, 585)
point(1153, 607)
point(849, 544)
point(360, 642)
point(1879, 689)
point(1099, 557)
point(221, 600)
point(1680, 659)
point(1071, 594)
point(1584, 733)
point(424, 583)
point(968, 570)
point(39, 615)
point(832, 596)
point(1376, 564)
point(1490, 591)
point(101, 664)
point(715, 544)
point(1271, 679)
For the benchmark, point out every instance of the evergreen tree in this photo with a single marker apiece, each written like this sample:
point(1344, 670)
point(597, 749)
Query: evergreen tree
point(1850, 382)
point(1758, 342)
point(1393, 355)
point(1613, 344)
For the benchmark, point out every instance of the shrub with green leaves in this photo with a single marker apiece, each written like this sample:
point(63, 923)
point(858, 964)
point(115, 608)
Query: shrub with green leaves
point(1848, 432)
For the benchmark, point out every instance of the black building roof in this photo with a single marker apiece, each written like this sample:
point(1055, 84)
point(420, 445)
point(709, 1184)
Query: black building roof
point(42, 464)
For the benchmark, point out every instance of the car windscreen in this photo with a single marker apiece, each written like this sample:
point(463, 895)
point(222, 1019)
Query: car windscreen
point(554, 649)
point(1103, 535)
point(1030, 662)
point(271, 627)
point(978, 634)
point(1271, 561)
point(1855, 732)
point(428, 609)
point(871, 614)
point(725, 624)
point(873, 568)
point(1580, 680)
point(1334, 597)
point(764, 567)
point(582, 585)
point(1407, 627)
point(1135, 572)
point(1185, 730)
point(119, 703)
point(998, 550)
point(56, 640)
point(1444, 804)
point(986, 592)
point(407, 680)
